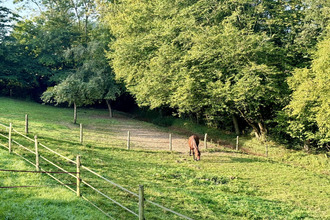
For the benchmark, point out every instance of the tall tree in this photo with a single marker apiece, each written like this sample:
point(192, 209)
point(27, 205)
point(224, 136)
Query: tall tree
point(309, 108)
point(17, 70)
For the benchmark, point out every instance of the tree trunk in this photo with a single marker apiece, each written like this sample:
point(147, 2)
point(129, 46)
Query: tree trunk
point(109, 107)
point(86, 26)
point(307, 144)
point(263, 130)
point(198, 117)
point(74, 113)
point(256, 131)
point(259, 128)
point(76, 12)
point(235, 122)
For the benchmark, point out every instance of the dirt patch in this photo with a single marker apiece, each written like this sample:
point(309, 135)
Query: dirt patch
point(147, 136)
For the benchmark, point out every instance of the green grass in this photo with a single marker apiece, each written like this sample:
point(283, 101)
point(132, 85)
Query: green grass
point(49, 201)
point(225, 184)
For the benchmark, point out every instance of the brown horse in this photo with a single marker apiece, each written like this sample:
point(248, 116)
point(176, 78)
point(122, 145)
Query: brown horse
point(193, 142)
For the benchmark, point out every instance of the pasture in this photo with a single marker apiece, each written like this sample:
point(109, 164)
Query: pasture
point(224, 184)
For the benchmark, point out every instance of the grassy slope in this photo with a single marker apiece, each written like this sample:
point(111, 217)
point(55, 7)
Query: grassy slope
point(225, 184)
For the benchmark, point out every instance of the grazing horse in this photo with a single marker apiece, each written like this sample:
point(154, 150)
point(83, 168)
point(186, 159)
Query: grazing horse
point(193, 142)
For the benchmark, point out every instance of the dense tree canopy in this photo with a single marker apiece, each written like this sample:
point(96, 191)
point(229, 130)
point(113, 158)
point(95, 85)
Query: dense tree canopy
point(214, 57)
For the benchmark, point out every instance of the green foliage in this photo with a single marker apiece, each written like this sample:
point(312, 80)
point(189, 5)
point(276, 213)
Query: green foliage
point(194, 57)
point(92, 67)
point(7, 17)
point(312, 28)
point(72, 91)
point(309, 107)
point(17, 70)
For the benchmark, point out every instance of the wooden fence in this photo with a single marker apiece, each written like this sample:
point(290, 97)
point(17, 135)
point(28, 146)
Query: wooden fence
point(8, 132)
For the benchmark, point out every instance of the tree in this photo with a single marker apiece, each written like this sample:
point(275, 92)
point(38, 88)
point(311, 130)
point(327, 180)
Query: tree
point(90, 79)
point(93, 69)
point(18, 71)
point(7, 17)
point(311, 28)
point(72, 91)
point(309, 108)
point(193, 56)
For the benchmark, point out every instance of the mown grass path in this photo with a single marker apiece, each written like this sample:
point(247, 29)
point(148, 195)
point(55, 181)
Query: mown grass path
point(223, 185)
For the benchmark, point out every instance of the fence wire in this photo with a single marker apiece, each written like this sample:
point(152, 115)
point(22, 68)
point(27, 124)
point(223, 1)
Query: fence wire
point(97, 207)
point(109, 181)
point(114, 201)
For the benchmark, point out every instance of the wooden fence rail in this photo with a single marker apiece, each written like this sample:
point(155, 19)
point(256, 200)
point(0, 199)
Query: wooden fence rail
point(26, 137)
point(142, 200)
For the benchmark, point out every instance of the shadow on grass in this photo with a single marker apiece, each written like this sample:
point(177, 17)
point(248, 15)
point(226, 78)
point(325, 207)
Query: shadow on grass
point(53, 140)
point(41, 208)
point(247, 160)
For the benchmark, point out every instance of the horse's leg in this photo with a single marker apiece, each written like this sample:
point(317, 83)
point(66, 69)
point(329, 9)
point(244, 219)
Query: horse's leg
point(190, 152)
point(194, 154)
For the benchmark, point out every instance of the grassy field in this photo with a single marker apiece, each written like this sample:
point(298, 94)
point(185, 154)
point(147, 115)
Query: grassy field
point(225, 184)
point(49, 201)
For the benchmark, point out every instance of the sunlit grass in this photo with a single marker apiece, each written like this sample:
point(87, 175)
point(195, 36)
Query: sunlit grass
point(225, 184)
point(49, 201)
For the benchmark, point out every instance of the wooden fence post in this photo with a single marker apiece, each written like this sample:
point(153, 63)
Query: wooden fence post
point(205, 141)
point(128, 140)
point(170, 142)
point(37, 152)
point(237, 142)
point(81, 134)
point(141, 202)
point(9, 136)
point(78, 175)
point(26, 124)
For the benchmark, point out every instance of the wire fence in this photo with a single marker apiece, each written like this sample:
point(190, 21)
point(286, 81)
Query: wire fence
point(130, 136)
point(39, 156)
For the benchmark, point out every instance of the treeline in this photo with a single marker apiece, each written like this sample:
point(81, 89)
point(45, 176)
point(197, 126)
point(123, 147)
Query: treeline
point(238, 64)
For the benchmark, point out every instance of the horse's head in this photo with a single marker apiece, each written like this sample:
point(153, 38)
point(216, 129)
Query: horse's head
point(198, 155)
